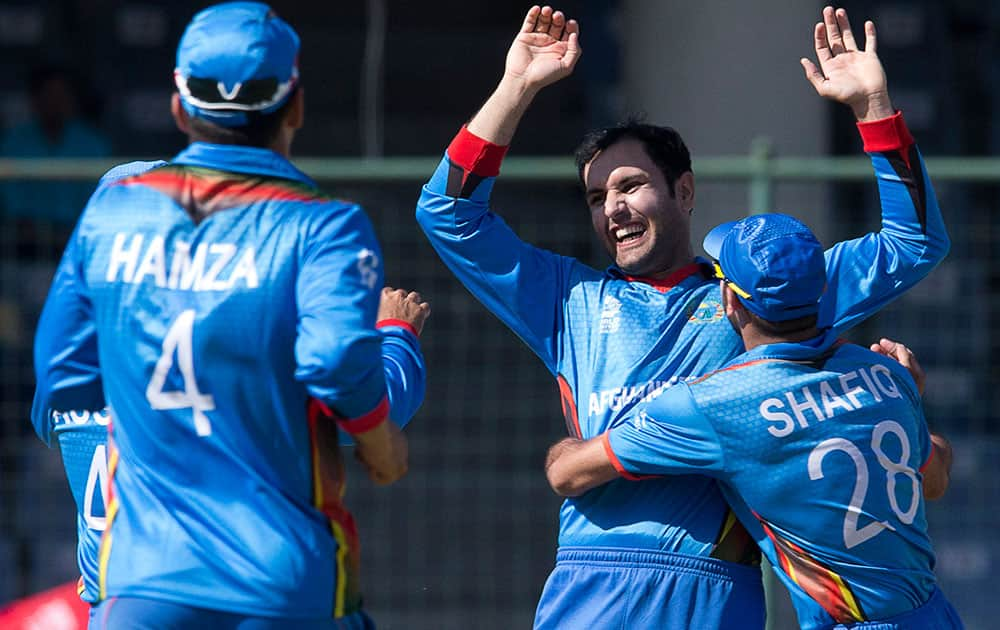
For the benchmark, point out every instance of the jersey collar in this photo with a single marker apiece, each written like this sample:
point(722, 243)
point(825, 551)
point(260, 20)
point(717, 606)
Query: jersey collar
point(665, 284)
point(240, 159)
point(802, 351)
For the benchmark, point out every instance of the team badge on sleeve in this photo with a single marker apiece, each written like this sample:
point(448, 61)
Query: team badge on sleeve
point(367, 264)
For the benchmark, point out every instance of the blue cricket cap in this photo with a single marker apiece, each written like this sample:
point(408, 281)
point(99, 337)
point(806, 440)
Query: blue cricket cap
point(235, 58)
point(773, 263)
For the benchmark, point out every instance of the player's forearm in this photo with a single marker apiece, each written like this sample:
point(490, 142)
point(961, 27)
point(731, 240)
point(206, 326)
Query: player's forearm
point(405, 373)
point(912, 239)
point(911, 215)
point(522, 285)
point(575, 466)
point(937, 472)
point(498, 118)
point(384, 452)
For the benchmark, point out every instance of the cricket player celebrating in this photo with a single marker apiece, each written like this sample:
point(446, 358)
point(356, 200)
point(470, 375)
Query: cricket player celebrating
point(224, 309)
point(664, 552)
point(821, 446)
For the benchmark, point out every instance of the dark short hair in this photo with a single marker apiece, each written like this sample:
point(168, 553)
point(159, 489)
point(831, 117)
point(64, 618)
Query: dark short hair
point(261, 130)
point(663, 145)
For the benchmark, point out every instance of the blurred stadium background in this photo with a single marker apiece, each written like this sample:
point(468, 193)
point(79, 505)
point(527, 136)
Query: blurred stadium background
point(467, 539)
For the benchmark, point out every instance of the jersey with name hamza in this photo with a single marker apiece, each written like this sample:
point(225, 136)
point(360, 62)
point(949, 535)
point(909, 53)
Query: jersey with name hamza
point(612, 342)
point(226, 291)
point(819, 449)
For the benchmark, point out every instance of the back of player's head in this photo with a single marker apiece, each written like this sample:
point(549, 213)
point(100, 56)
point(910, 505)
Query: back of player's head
point(773, 263)
point(237, 69)
point(663, 145)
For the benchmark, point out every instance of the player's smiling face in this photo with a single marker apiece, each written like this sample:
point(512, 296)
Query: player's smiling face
point(645, 228)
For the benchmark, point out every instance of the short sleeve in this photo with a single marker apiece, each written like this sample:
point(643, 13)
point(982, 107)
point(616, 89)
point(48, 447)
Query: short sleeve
point(668, 436)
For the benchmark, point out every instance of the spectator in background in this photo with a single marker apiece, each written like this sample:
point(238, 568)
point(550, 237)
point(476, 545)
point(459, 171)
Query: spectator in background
point(54, 130)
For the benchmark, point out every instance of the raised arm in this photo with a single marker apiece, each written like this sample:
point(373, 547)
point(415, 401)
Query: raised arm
point(849, 74)
point(865, 274)
point(522, 285)
point(544, 51)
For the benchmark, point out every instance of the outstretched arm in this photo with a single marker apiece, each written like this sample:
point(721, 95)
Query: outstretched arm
point(524, 286)
point(545, 50)
point(867, 273)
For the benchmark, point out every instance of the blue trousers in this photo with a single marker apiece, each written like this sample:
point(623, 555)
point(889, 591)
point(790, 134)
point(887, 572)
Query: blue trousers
point(136, 613)
point(936, 614)
point(592, 588)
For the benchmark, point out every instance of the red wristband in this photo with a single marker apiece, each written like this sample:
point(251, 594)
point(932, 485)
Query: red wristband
point(886, 134)
point(382, 323)
point(476, 155)
point(368, 421)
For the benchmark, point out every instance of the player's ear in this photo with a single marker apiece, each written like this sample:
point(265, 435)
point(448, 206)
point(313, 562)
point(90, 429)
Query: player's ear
point(684, 191)
point(727, 298)
point(296, 114)
point(180, 114)
point(735, 310)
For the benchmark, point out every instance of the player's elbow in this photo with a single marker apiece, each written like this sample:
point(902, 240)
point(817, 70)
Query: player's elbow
point(345, 373)
point(936, 486)
point(562, 481)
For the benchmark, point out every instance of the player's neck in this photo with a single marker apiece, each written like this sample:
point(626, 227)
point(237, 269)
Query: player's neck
point(685, 261)
point(754, 336)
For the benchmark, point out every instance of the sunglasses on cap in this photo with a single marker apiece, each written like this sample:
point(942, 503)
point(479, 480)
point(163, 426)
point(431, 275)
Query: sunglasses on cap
point(721, 275)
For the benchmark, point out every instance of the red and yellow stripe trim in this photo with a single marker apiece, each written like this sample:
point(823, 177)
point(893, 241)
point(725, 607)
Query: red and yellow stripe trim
point(104, 554)
point(328, 491)
point(818, 581)
point(568, 403)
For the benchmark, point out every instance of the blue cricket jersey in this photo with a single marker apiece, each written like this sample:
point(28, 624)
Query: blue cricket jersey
point(613, 342)
point(819, 448)
point(223, 308)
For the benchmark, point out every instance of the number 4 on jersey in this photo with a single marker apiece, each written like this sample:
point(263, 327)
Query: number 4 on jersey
point(179, 341)
point(97, 481)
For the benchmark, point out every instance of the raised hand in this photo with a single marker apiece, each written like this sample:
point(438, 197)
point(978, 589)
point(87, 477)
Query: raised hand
point(407, 306)
point(847, 74)
point(904, 356)
point(545, 50)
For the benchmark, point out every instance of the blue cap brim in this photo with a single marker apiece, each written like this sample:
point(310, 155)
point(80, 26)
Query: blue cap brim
point(713, 240)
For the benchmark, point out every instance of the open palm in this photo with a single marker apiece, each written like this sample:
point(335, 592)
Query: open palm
point(846, 74)
point(546, 48)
